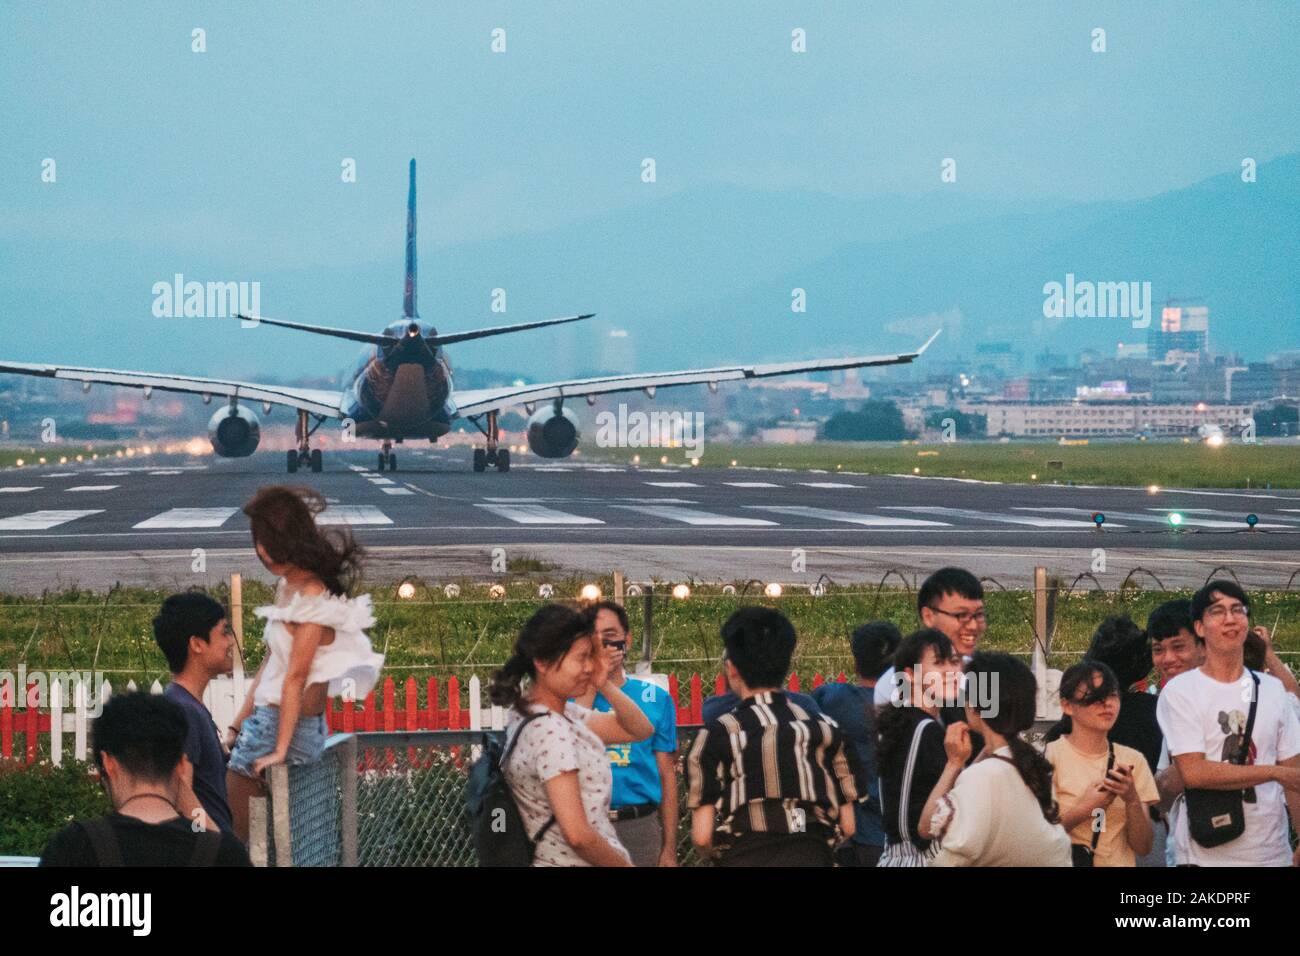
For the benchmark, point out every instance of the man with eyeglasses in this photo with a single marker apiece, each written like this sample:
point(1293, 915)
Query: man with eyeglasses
point(950, 600)
point(1204, 713)
point(643, 804)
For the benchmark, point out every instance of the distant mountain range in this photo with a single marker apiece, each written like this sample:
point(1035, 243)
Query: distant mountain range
point(703, 276)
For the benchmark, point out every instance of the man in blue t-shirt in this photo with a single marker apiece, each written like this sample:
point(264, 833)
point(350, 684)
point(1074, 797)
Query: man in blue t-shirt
point(192, 633)
point(643, 806)
point(852, 707)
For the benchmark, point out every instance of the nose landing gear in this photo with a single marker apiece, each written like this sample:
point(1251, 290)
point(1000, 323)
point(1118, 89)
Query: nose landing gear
point(492, 456)
point(304, 456)
point(387, 458)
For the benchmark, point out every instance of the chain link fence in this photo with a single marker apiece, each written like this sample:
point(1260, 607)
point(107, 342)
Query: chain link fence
point(390, 799)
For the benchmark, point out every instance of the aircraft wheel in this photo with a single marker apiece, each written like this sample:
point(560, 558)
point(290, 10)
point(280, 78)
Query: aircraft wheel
point(480, 459)
point(315, 460)
point(293, 462)
point(503, 460)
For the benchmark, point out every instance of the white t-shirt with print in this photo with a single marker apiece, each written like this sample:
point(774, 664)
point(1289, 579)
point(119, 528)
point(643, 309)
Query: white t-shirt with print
point(1197, 714)
point(547, 747)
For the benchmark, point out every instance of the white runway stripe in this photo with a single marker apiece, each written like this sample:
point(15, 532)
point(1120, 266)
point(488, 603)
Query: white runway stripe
point(536, 514)
point(380, 481)
point(751, 484)
point(15, 489)
point(164, 472)
point(672, 484)
point(827, 484)
point(849, 517)
point(94, 487)
point(398, 491)
point(61, 474)
point(188, 518)
point(353, 514)
point(1240, 523)
point(43, 520)
point(692, 517)
point(999, 518)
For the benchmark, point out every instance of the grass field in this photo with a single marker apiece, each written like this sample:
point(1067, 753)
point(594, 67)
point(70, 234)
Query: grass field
point(437, 636)
point(1166, 463)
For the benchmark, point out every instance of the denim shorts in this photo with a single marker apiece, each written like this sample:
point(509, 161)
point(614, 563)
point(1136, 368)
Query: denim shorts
point(257, 737)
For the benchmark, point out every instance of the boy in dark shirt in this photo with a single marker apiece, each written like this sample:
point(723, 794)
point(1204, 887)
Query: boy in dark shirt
point(192, 633)
point(138, 743)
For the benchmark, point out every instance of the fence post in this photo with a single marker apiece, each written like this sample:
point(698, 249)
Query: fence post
point(79, 704)
point(618, 588)
point(348, 802)
point(283, 835)
point(648, 640)
point(257, 830)
point(56, 722)
point(237, 625)
point(1044, 623)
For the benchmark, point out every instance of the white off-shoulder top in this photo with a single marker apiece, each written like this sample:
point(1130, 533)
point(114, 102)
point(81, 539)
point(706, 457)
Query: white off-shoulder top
point(349, 664)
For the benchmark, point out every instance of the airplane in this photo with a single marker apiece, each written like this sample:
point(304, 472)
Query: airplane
point(401, 387)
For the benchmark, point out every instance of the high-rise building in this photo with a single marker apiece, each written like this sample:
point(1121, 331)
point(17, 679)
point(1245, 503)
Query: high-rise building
point(1182, 328)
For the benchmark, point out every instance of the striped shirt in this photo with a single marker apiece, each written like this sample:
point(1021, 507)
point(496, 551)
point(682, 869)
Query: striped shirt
point(771, 766)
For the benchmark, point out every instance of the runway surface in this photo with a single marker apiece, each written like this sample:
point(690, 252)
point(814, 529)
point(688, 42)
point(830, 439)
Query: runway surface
point(436, 499)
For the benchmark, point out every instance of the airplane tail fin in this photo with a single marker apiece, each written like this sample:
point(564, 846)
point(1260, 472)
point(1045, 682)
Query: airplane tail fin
point(408, 299)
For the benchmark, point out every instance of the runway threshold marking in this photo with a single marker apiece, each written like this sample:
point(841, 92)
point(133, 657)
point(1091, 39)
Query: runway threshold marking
point(850, 517)
point(693, 517)
point(93, 487)
point(827, 484)
point(353, 515)
point(1000, 518)
point(536, 514)
point(751, 484)
point(17, 489)
point(188, 518)
point(43, 520)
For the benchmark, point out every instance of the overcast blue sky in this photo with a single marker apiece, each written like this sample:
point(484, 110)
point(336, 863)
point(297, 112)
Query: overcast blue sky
point(237, 151)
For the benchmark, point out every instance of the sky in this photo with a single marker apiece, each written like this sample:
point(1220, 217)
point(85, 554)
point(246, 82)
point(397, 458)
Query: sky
point(237, 150)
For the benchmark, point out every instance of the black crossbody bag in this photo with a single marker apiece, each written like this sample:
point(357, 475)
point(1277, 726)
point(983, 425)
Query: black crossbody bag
point(1216, 817)
point(1082, 855)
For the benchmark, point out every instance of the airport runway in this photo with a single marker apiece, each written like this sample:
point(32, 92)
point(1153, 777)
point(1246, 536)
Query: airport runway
point(139, 523)
point(436, 499)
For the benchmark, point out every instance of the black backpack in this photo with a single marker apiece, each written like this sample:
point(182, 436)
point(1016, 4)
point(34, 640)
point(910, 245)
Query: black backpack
point(496, 827)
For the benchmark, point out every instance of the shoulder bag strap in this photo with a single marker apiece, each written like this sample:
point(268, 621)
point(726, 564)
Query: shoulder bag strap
point(1110, 765)
point(1250, 720)
point(505, 755)
point(103, 841)
point(904, 795)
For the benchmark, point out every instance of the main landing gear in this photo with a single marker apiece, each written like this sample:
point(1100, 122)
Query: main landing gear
point(304, 456)
point(492, 456)
point(387, 458)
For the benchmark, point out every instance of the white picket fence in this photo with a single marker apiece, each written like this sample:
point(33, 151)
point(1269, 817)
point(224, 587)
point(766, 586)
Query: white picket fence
point(223, 698)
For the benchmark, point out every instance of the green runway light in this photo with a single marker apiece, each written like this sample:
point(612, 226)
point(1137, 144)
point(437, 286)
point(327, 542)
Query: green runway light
point(1175, 518)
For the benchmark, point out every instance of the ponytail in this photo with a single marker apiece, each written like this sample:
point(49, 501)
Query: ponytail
point(546, 637)
point(506, 687)
point(1036, 772)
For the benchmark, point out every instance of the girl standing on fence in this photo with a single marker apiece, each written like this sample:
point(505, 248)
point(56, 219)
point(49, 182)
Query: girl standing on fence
point(316, 646)
point(558, 769)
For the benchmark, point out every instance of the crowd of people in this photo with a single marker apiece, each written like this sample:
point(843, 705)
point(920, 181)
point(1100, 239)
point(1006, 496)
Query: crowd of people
point(924, 759)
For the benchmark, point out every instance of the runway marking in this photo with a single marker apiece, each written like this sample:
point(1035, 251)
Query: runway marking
point(93, 488)
point(849, 517)
point(43, 520)
point(398, 491)
point(15, 489)
point(155, 473)
point(380, 481)
point(188, 518)
point(671, 484)
point(353, 514)
point(827, 484)
point(693, 517)
point(1004, 519)
point(61, 474)
point(113, 474)
point(1153, 519)
point(536, 514)
point(751, 484)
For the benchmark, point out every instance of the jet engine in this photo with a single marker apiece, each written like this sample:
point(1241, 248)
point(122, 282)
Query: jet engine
point(553, 433)
point(234, 432)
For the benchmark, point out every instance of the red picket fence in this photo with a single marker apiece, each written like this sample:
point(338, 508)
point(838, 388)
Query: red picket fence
point(445, 708)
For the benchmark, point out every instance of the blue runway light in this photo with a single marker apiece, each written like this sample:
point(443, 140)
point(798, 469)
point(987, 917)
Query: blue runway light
point(1098, 519)
point(1252, 520)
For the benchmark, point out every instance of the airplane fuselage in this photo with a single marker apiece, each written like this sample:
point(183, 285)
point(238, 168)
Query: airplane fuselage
point(402, 390)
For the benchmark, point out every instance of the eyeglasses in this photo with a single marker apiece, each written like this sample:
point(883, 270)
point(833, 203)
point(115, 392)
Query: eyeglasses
point(964, 617)
point(1217, 612)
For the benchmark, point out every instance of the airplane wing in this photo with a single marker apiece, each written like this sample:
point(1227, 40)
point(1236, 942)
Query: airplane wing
point(316, 401)
point(478, 401)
